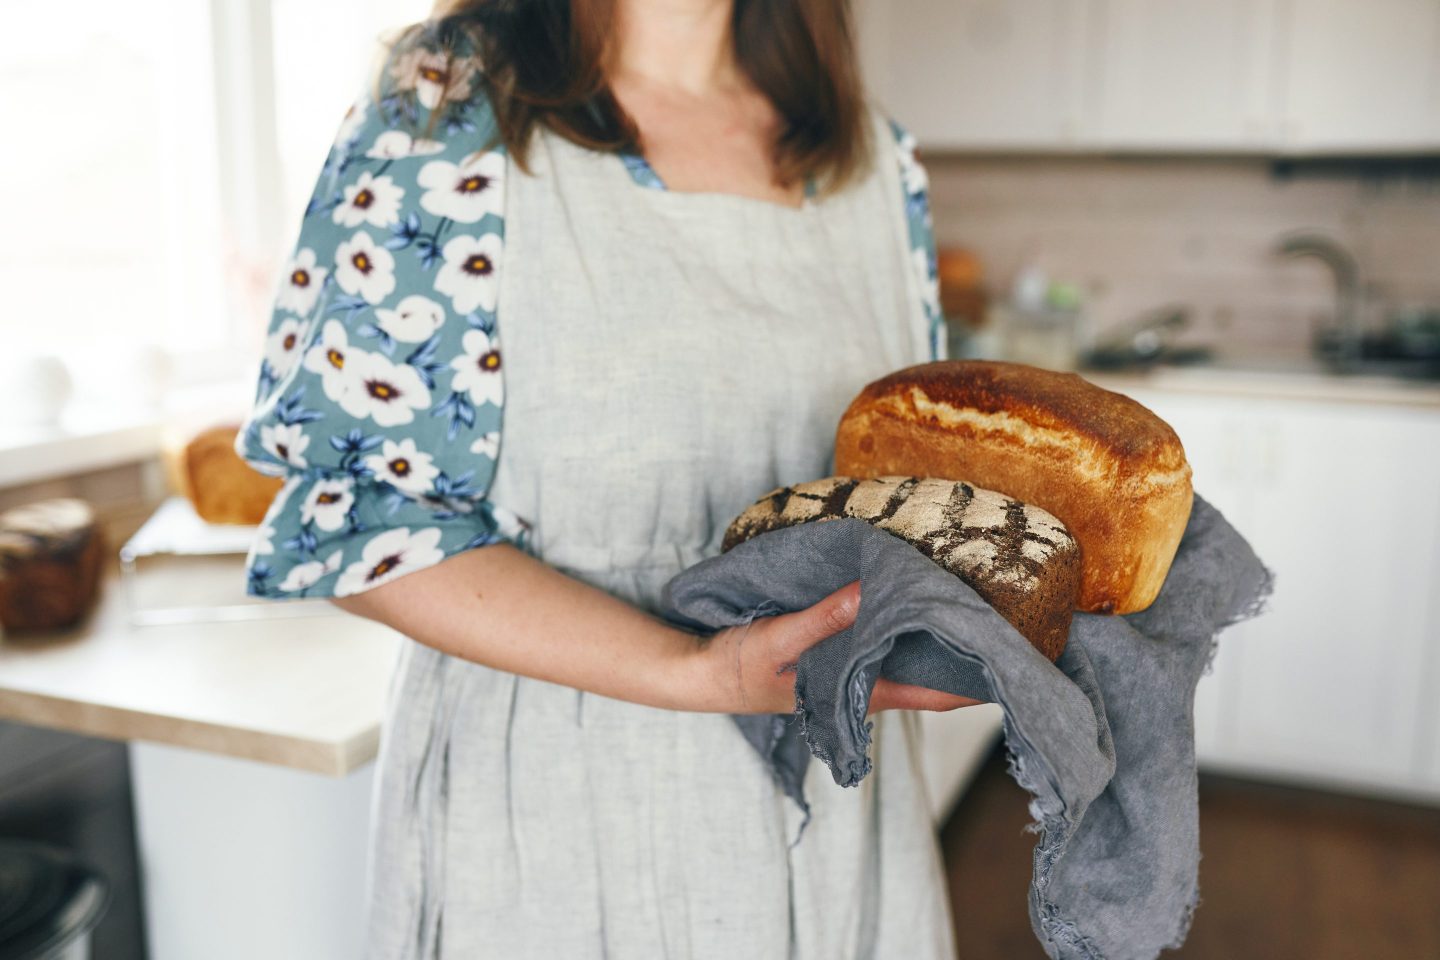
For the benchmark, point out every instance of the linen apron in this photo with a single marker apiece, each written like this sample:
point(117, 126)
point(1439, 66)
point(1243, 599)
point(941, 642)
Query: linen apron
point(669, 358)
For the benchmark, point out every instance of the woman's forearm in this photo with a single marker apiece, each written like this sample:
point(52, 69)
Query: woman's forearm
point(500, 607)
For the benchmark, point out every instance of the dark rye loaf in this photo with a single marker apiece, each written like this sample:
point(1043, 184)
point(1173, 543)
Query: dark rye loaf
point(1018, 558)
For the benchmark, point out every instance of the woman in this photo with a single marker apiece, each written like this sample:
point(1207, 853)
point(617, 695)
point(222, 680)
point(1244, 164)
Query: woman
point(697, 240)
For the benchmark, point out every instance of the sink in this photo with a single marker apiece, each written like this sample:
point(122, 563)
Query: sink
point(1208, 362)
point(1387, 354)
point(1404, 368)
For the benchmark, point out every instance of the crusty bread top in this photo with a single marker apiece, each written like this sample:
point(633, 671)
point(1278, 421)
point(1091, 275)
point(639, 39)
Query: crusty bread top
point(1037, 400)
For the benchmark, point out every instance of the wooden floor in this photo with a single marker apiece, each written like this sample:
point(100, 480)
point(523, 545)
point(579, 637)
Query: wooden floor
point(1284, 874)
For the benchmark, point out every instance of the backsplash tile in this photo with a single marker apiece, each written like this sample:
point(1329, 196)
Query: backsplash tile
point(1139, 233)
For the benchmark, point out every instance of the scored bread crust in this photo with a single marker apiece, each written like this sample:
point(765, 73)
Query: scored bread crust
point(1017, 557)
point(1111, 470)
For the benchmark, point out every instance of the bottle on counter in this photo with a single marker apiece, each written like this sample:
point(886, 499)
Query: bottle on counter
point(965, 303)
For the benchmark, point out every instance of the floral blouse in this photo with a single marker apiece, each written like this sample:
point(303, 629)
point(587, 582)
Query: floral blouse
point(380, 389)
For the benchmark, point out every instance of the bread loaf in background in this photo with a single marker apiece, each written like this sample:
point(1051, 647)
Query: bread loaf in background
point(1112, 471)
point(204, 467)
point(52, 553)
point(1017, 557)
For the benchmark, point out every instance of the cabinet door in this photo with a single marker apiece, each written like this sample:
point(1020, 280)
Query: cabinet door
point(1213, 432)
point(1362, 76)
point(1429, 746)
point(1183, 74)
point(1346, 508)
point(1336, 683)
point(977, 73)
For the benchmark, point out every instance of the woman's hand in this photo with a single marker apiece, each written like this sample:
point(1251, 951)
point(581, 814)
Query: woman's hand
point(751, 668)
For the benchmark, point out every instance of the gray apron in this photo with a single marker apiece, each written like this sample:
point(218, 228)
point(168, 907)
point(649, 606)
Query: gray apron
point(670, 357)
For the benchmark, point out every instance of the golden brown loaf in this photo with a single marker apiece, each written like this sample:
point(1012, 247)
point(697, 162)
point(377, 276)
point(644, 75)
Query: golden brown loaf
point(1111, 470)
point(1017, 557)
point(205, 468)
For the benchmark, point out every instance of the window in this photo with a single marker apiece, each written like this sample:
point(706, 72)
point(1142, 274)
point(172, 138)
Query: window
point(158, 159)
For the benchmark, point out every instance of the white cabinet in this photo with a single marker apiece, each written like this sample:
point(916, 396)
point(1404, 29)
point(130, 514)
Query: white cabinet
point(977, 73)
point(1429, 746)
point(1180, 74)
point(1361, 76)
point(1279, 76)
point(1213, 437)
point(242, 859)
point(1334, 684)
point(953, 745)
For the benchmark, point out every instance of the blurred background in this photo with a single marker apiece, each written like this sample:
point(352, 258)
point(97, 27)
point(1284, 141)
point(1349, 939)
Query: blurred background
point(1227, 209)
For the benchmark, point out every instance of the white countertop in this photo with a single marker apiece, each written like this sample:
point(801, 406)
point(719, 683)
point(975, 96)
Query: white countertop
point(1279, 377)
point(308, 692)
point(301, 691)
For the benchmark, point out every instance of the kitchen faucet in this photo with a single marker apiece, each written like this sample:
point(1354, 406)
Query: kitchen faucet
point(1347, 323)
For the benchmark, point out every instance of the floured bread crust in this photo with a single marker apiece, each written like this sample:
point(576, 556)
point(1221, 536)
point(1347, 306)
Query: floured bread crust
point(1109, 468)
point(1017, 557)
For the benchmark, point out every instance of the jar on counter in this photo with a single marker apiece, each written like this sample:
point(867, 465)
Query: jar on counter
point(1041, 323)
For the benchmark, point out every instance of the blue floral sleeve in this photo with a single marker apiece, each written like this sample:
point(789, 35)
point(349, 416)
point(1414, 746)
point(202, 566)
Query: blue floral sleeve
point(916, 185)
point(380, 387)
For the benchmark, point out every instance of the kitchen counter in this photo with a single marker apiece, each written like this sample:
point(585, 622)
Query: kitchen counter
point(305, 692)
point(1280, 376)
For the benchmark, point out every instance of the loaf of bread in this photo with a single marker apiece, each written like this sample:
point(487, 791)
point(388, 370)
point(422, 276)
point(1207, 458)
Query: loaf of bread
point(51, 558)
point(1017, 557)
point(1112, 471)
point(204, 467)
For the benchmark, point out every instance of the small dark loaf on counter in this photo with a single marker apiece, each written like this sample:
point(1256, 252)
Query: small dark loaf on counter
point(1018, 558)
point(51, 558)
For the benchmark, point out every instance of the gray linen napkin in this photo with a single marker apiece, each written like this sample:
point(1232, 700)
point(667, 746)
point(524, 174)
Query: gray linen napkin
point(1103, 739)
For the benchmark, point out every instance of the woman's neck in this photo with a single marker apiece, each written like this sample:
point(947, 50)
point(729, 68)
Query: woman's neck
point(682, 44)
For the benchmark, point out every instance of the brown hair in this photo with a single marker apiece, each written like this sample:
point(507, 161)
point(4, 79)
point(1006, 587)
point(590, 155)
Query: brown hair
point(544, 60)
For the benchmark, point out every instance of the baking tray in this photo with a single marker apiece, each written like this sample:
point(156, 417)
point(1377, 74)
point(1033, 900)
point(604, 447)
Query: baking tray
point(176, 554)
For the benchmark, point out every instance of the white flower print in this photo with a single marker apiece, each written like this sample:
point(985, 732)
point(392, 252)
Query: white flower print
point(507, 524)
point(302, 283)
point(305, 575)
point(263, 544)
point(354, 117)
point(477, 370)
point(433, 76)
point(470, 274)
point(487, 445)
point(389, 393)
point(282, 348)
point(328, 502)
point(364, 267)
point(397, 145)
point(329, 357)
point(929, 288)
point(911, 171)
point(370, 199)
point(413, 320)
point(464, 192)
point(403, 466)
point(388, 555)
point(287, 441)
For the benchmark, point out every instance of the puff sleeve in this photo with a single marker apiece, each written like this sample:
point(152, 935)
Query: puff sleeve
point(380, 389)
point(916, 185)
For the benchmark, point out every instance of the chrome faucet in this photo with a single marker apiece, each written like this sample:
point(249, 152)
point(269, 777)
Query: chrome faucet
point(1348, 323)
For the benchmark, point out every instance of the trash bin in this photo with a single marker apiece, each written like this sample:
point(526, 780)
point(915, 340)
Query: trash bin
point(49, 902)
